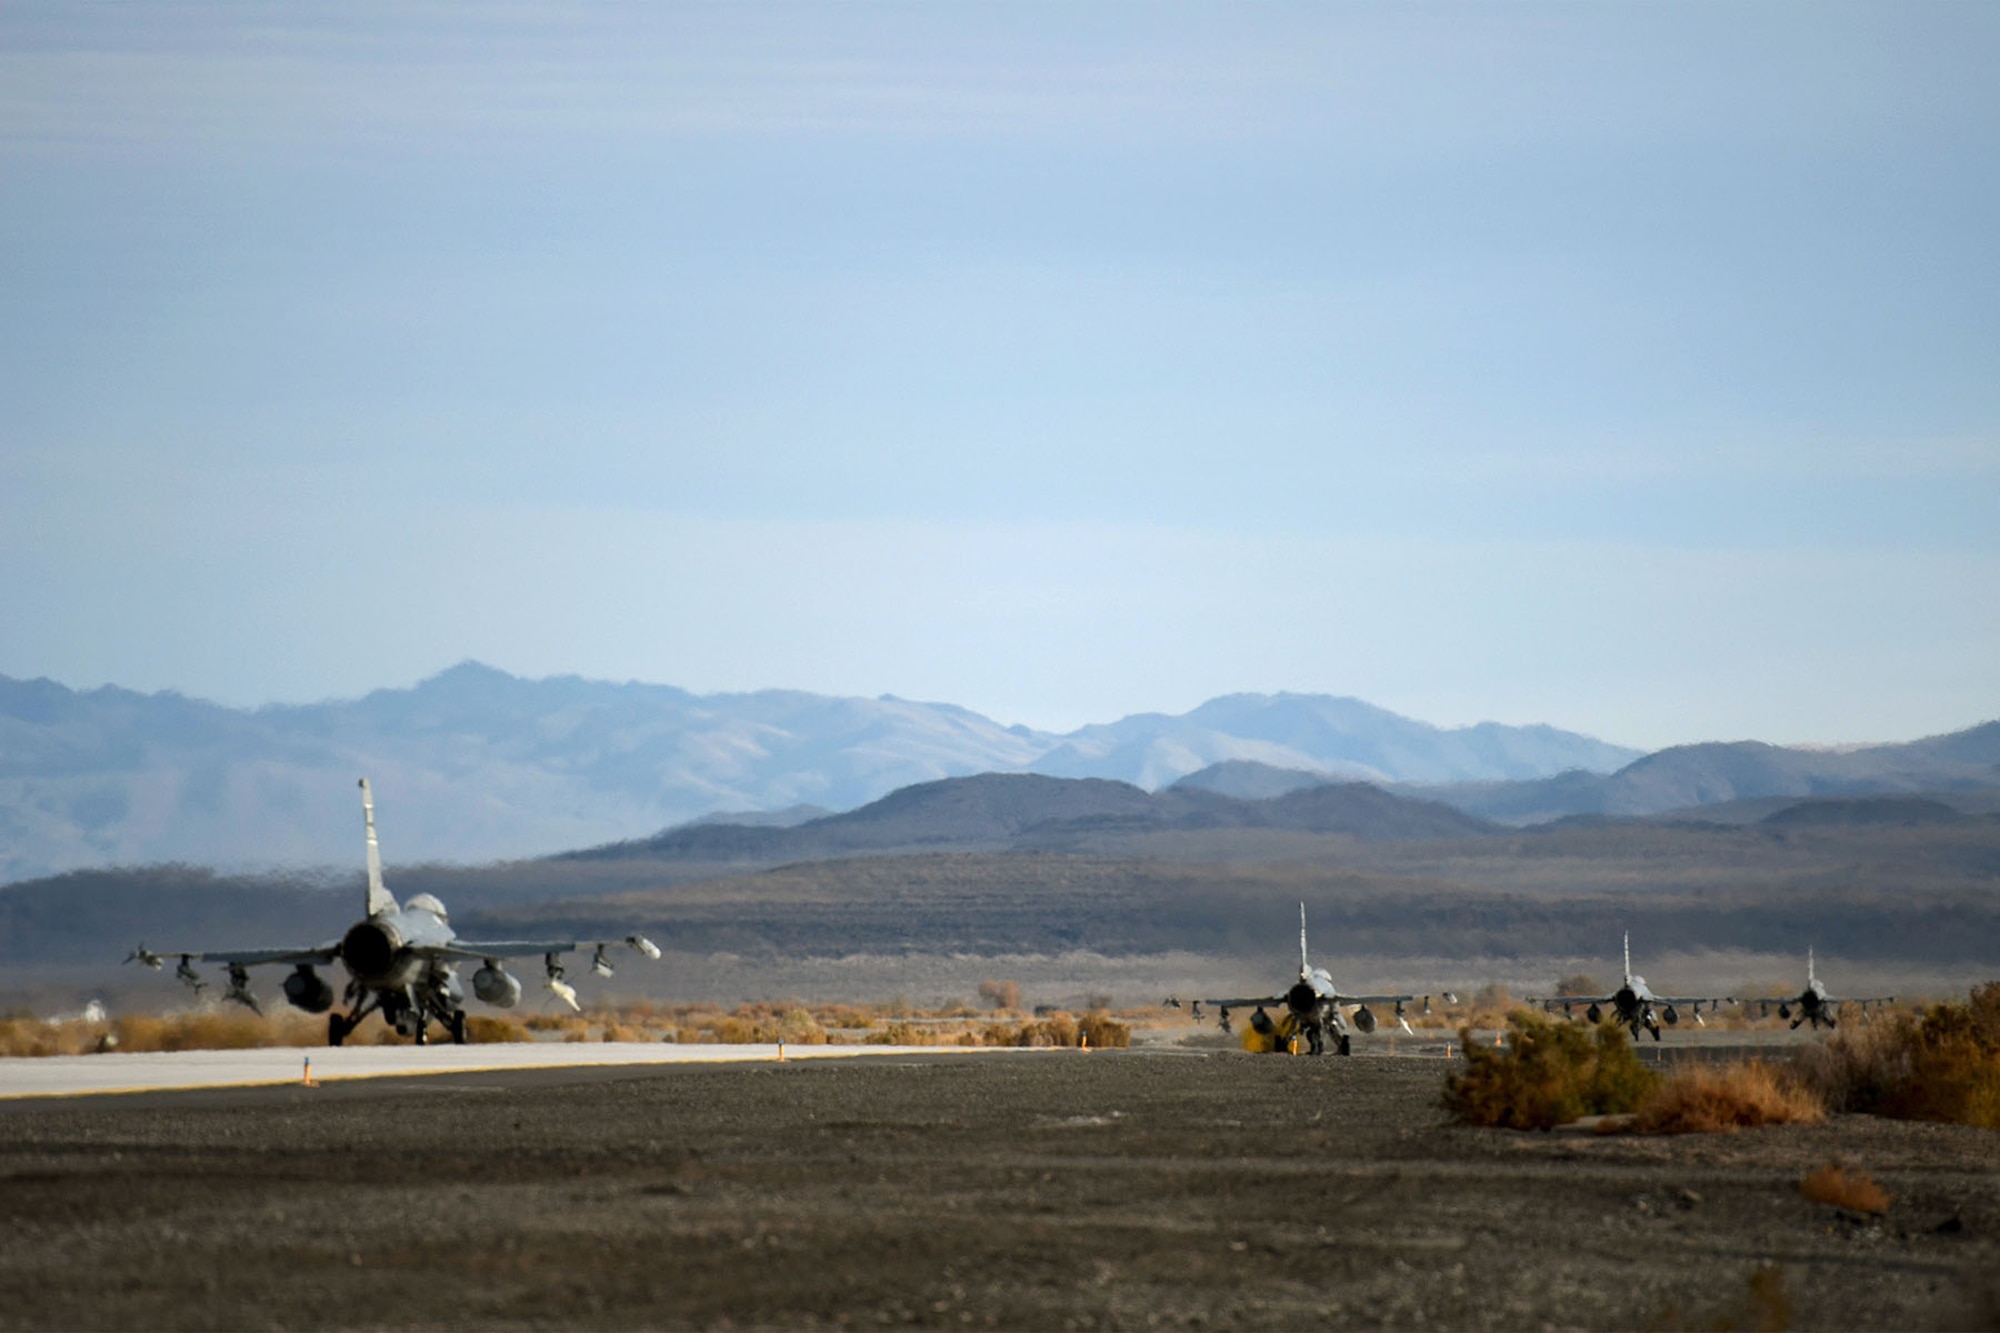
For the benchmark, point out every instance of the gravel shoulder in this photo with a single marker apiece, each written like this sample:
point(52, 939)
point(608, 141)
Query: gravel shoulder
point(1056, 1189)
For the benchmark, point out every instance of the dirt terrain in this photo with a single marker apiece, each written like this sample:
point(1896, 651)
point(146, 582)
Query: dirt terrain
point(1032, 1189)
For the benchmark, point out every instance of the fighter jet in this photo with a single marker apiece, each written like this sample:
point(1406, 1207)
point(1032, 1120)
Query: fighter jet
point(400, 960)
point(1634, 1005)
point(1311, 1009)
point(1815, 1006)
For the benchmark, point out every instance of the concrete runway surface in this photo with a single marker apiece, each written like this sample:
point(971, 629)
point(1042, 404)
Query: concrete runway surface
point(163, 1071)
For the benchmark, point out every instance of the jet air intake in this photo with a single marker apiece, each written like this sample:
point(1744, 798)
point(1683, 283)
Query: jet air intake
point(497, 986)
point(308, 990)
point(1302, 999)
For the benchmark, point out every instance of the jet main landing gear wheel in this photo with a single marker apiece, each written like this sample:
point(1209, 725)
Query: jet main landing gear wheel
point(337, 1029)
point(457, 1025)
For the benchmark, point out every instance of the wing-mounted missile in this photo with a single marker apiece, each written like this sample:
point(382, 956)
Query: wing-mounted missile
point(644, 946)
point(141, 954)
point(559, 988)
point(239, 988)
point(599, 964)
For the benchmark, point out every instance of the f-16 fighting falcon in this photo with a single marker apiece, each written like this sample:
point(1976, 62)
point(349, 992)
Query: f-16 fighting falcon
point(1814, 1005)
point(1634, 1005)
point(400, 961)
point(1311, 1009)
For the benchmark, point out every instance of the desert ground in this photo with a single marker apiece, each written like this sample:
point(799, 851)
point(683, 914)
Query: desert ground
point(1161, 1187)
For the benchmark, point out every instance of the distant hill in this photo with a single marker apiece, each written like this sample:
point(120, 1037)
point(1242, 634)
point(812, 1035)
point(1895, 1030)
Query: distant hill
point(475, 765)
point(1248, 780)
point(1027, 812)
point(1687, 777)
point(1860, 812)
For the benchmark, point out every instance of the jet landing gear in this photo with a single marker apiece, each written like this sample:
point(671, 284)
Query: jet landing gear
point(410, 1019)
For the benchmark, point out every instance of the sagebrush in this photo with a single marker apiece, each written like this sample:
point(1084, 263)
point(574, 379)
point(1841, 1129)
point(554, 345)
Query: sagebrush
point(1548, 1074)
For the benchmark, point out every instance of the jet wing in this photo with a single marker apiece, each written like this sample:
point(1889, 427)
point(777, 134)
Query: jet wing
point(1694, 999)
point(1550, 1001)
point(325, 953)
point(474, 950)
point(1244, 1004)
point(1373, 999)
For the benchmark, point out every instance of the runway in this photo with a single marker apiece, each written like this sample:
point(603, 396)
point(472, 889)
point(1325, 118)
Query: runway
point(165, 1071)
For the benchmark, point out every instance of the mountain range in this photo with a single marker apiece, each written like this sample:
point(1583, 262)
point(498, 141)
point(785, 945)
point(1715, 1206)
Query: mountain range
point(1705, 781)
point(475, 764)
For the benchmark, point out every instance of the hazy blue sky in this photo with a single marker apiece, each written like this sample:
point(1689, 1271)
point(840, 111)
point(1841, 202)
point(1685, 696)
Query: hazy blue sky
point(1632, 368)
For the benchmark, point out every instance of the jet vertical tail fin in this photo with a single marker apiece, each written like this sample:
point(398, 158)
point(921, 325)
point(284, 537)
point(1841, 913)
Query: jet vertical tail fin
point(379, 898)
point(1628, 957)
point(1810, 978)
point(1304, 966)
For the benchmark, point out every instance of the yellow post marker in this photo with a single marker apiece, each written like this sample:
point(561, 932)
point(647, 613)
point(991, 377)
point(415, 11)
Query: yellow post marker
point(781, 1052)
point(1083, 1039)
point(308, 1080)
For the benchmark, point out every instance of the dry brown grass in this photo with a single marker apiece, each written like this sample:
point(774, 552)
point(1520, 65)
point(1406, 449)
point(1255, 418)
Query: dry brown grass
point(1838, 1187)
point(1709, 1099)
point(201, 1030)
point(793, 1022)
point(485, 1031)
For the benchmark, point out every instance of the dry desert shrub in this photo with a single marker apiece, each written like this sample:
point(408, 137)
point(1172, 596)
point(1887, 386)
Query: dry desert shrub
point(1944, 1066)
point(1054, 1030)
point(33, 1037)
point(1101, 1030)
point(799, 1027)
point(1839, 1188)
point(484, 1031)
point(1547, 1074)
point(1488, 1007)
point(1707, 1099)
point(1858, 1068)
point(1001, 994)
